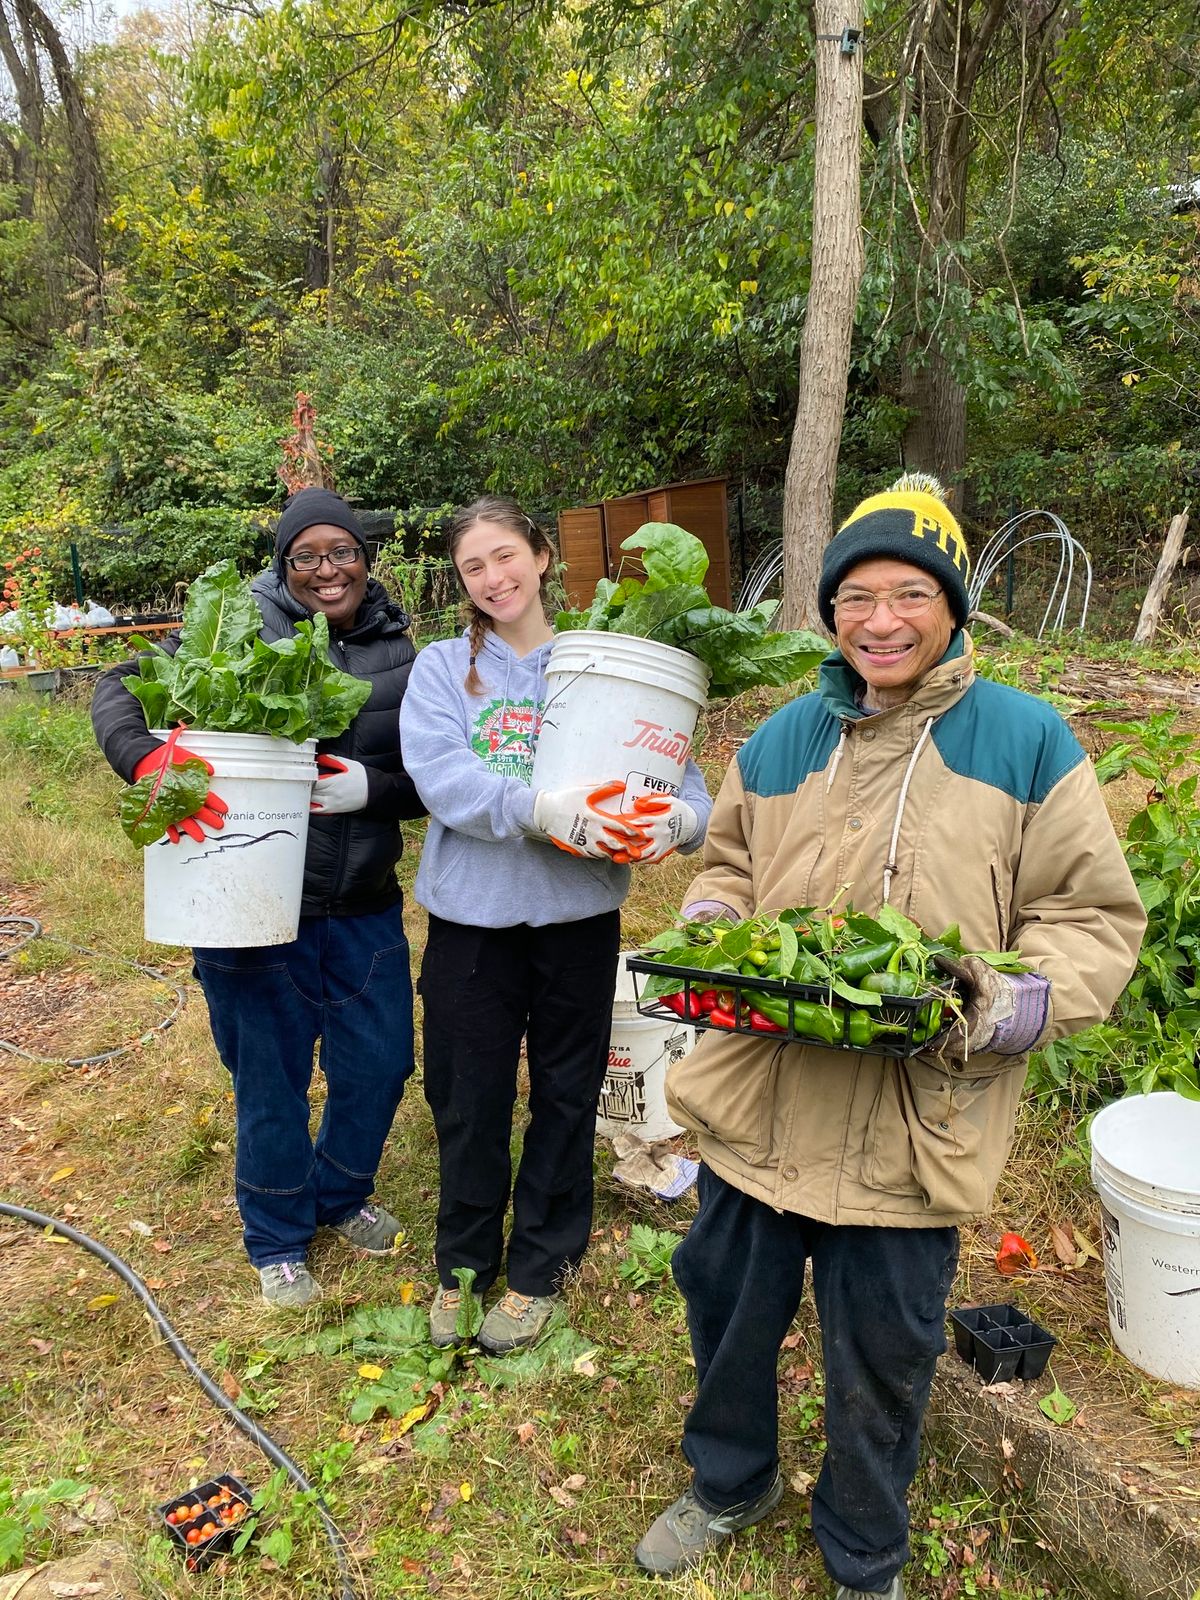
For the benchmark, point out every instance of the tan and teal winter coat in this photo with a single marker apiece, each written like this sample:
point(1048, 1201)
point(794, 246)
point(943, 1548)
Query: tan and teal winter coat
point(989, 810)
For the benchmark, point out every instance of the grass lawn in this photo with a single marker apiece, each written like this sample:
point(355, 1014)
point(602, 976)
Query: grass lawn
point(487, 1481)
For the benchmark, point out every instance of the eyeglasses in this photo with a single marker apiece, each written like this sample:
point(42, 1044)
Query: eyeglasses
point(856, 605)
point(308, 560)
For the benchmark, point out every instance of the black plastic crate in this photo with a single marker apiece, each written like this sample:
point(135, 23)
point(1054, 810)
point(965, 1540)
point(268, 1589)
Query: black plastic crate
point(1001, 1342)
point(199, 1552)
point(906, 1016)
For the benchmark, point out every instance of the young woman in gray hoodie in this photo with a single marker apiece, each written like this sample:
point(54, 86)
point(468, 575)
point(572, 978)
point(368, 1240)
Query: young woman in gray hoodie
point(523, 937)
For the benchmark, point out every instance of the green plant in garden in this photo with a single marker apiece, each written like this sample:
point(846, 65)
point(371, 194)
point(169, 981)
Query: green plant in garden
point(1154, 1037)
point(649, 1258)
point(24, 1515)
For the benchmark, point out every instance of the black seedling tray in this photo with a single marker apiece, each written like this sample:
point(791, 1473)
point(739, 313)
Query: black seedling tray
point(198, 1555)
point(1001, 1342)
point(907, 1014)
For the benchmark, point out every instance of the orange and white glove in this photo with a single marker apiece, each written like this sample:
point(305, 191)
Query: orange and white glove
point(575, 819)
point(341, 786)
point(211, 814)
point(651, 830)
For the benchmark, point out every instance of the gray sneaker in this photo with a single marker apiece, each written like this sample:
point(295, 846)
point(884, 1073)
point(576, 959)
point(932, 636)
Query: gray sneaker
point(370, 1229)
point(678, 1539)
point(515, 1321)
point(894, 1591)
point(288, 1285)
point(443, 1316)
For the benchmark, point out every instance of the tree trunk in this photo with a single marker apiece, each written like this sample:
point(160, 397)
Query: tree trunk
point(83, 209)
point(837, 265)
point(949, 59)
point(22, 64)
point(1157, 592)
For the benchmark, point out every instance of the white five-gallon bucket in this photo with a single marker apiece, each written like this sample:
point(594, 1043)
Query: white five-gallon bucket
point(242, 886)
point(640, 1049)
point(1146, 1169)
point(618, 707)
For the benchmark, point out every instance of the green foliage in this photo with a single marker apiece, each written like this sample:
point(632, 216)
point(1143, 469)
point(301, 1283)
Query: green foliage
point(225, 679)
point(152, 554)
point(1152, 1040)
point(648, 1261)
point(672, 607)
point(24, 1516)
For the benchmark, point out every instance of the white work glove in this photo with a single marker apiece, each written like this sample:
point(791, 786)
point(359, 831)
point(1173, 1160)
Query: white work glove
point(1003, 1013)
point(341, 786)
point(653, 828)
point(706, 911)
point(572, 818)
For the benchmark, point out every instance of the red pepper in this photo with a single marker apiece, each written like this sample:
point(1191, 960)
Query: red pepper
point(722, 1018)
point(726, 1000)
point(707, 999)
point(1015, 1255)
point(674, 1002)
point(763, 1024)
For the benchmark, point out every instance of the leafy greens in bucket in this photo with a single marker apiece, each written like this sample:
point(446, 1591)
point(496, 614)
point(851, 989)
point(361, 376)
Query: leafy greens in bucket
point(225, 679)
point(672, 606)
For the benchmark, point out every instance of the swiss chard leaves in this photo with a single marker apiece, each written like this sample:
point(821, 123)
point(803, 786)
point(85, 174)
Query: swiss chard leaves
point(146, 807)
point(225, 679)
point(672, 607)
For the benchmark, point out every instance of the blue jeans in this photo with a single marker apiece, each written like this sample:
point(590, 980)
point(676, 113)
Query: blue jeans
point(346, 982)
point(881, 1299)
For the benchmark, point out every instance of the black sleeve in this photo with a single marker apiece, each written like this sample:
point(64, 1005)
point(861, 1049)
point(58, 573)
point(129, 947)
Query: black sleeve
point(118, 719)
point(391, 794)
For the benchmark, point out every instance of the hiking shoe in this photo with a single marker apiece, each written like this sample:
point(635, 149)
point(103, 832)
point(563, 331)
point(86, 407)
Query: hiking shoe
point(288, 1285)
point(443, 1316)
point(894, 1591)
point(515, 1321)
point(370, 1229)
point(679, 1538)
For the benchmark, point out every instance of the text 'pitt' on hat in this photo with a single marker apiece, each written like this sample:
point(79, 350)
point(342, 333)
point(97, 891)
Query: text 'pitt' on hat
point(909, 522)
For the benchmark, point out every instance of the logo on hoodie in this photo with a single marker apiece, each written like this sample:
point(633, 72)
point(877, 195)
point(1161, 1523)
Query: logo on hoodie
point(504, 737)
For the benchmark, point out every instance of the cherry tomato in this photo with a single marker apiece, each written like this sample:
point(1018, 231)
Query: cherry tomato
point(193, 1536)
point(207, 1531)
point(215, 1501)
point(172, 1517)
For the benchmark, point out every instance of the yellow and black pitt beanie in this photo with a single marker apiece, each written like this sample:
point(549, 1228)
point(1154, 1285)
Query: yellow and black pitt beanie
point(908, 522)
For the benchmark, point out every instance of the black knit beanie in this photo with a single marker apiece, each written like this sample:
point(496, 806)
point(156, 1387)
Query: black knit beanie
point(305, 509)
point(908, 522)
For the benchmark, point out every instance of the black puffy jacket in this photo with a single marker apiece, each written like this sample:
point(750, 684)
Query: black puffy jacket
point(350, 860)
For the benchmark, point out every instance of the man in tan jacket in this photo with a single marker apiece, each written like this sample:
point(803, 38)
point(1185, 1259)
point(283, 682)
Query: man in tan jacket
point(901, 779)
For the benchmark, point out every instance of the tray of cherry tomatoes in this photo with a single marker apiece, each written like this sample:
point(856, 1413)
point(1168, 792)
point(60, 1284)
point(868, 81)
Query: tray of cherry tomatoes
point(207, 1519)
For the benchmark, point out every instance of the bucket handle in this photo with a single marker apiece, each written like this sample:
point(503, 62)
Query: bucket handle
point(590, 667)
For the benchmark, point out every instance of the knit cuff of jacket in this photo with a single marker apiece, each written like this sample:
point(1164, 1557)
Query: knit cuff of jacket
point(910, 522)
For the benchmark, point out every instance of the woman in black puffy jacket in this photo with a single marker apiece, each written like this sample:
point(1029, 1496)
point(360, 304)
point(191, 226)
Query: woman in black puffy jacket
point(345, 979)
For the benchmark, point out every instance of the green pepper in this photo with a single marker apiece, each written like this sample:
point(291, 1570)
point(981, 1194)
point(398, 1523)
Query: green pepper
point(889, 983)
point(858, 961)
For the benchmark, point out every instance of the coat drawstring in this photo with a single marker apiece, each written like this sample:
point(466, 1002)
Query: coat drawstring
point(837, 756)
point(889, 871)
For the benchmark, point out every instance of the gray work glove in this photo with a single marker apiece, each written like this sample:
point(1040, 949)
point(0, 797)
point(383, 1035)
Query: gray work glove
point(1003, 1013)
point(707, 911)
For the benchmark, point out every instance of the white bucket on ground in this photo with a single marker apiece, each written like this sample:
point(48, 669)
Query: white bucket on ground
point(640, 1049)
point(242, 886)
point(1146, 1169)
point(618, 707)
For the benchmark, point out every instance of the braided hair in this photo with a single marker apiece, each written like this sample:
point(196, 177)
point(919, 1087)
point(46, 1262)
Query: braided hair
point(507, 514)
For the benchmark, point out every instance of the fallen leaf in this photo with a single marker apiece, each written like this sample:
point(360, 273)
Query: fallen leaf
point(1084, 1244)
point(370, 1371)
point(172, 1111)
point(575, 1536)
point(525, 1432)
point(460, 1564)
point(42, 1346)
point(144, 1228)
point(406, 1292)
point(801, 1482)
point(230, 1386)
point(410, 1566)
point(70, 1589)
point(99, 1301)
point(63, 1172)
point(791, 1342)
point(163, 1246)
point(575, 1482)
point(561, 1497)
point(1064, 1245)
point(584, 1366)
point(465, 1491)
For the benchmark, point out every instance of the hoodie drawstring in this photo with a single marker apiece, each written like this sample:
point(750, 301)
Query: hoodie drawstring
point(837, 756)
point(889, 870)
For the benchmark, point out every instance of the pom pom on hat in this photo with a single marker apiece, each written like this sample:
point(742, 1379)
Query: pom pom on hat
point(909, 522)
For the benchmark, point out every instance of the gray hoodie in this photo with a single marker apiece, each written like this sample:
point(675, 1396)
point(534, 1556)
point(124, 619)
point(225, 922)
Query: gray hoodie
point(471, 757)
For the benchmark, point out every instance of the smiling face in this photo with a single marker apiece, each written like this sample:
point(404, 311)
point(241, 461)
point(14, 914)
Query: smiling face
point(501, 573)
point(335, 591)
point(890, 653)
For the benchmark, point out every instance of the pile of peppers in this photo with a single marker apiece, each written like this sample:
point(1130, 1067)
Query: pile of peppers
point(844, 980)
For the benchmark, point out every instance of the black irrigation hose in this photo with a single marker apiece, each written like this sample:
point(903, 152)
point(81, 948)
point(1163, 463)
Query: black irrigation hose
point(26, 930)
point(215, 1393)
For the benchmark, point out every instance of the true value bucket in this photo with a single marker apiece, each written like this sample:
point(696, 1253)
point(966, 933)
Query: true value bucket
point(1146, 1169)
point(640, 1049)
point(618, 707)
point(242, 885)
